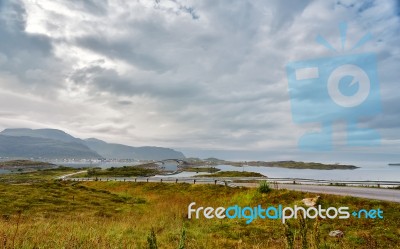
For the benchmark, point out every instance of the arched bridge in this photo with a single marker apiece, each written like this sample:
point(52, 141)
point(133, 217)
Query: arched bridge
point(179, 161)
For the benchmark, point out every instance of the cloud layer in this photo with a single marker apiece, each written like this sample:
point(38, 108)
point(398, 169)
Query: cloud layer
point(181, 73)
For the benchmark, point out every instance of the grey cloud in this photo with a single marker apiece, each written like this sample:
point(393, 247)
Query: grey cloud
point(103, 79)
point(127, 50)
point(124, 102)
point(190, 11)
point(179, 8)
point(28, 57)
point(286, 15)
point(9, 115)
point(96, 7)
point(388, 120)
point(14, 39)
point(206, 74)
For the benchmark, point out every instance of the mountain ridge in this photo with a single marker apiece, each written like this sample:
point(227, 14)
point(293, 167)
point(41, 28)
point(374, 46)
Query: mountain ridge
point(35, 147)
point(121, 151)
point(54, 143)
point(40, 133)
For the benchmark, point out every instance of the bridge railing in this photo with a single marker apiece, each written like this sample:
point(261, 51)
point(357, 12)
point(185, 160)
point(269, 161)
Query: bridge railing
point(229, 181)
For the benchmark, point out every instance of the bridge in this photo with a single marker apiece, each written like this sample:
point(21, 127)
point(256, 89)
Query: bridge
point(179, 161)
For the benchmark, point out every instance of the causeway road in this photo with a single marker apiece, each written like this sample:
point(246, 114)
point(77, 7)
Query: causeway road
point(383, 194)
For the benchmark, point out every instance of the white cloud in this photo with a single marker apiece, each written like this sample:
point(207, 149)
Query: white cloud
point(200, 74)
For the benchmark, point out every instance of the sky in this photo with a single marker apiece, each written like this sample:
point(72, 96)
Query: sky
point(205, 77)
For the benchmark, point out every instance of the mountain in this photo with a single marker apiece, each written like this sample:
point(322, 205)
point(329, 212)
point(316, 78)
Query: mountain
point(119, 151)
point(42, 133)
point(28, 147)
point(52, 143)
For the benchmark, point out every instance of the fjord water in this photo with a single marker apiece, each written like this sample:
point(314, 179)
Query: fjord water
point(375, 172)
point(3, 171)
point(366, 172)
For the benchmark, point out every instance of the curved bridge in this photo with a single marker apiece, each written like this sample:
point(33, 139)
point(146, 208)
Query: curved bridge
point(179, 161)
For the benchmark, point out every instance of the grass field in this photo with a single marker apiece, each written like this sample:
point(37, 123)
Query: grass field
point(201, 169)
point(127, 171)
point(24, 163)
point(37, 175)
point(293, 165)
point(61, 214)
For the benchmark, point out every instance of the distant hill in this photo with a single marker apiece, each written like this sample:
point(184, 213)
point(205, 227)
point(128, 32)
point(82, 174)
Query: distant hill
point(34, 147)
point(52, 143)
point(119, 151)
point(42, 133)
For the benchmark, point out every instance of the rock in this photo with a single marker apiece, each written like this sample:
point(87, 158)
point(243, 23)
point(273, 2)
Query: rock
point(311, 202)
point(336, 234)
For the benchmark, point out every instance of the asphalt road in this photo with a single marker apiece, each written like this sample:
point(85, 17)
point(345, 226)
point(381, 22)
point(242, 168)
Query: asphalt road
point(363, 192)
point(69, 175)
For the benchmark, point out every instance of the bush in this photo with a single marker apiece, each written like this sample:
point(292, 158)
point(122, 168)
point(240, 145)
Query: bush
point(183, 239)
point(152, 240)
point(264, 187)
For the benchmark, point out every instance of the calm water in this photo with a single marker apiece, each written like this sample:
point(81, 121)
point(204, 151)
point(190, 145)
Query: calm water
point(371, 173)
point(183, 174)
point(103, 165)
point(379, 173)
point(3, 171)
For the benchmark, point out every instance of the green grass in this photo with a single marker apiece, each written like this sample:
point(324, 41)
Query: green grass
point(310, 165)
point(125, 171)
point(264, 187)
point(44, 213)
point(37, 175)
point(121, 215)
point(201, 169)
point(233, 174)
point(282, 164)
point(25, 163)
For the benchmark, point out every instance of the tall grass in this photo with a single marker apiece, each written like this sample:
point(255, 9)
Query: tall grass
point(109, 215)
point(152, 240)
point(264, 187)
point(182, 241)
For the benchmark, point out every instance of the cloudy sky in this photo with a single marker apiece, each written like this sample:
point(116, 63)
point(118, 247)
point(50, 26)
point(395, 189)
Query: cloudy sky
point(206, 77)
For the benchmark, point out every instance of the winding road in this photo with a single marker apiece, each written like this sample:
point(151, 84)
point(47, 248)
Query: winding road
point(383, 194)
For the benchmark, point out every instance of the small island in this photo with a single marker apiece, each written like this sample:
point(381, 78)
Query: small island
point(21, 165)
point(200, 169)
point(145, 170)
point(233, 174)
point(308, 165)
point(195, 162)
